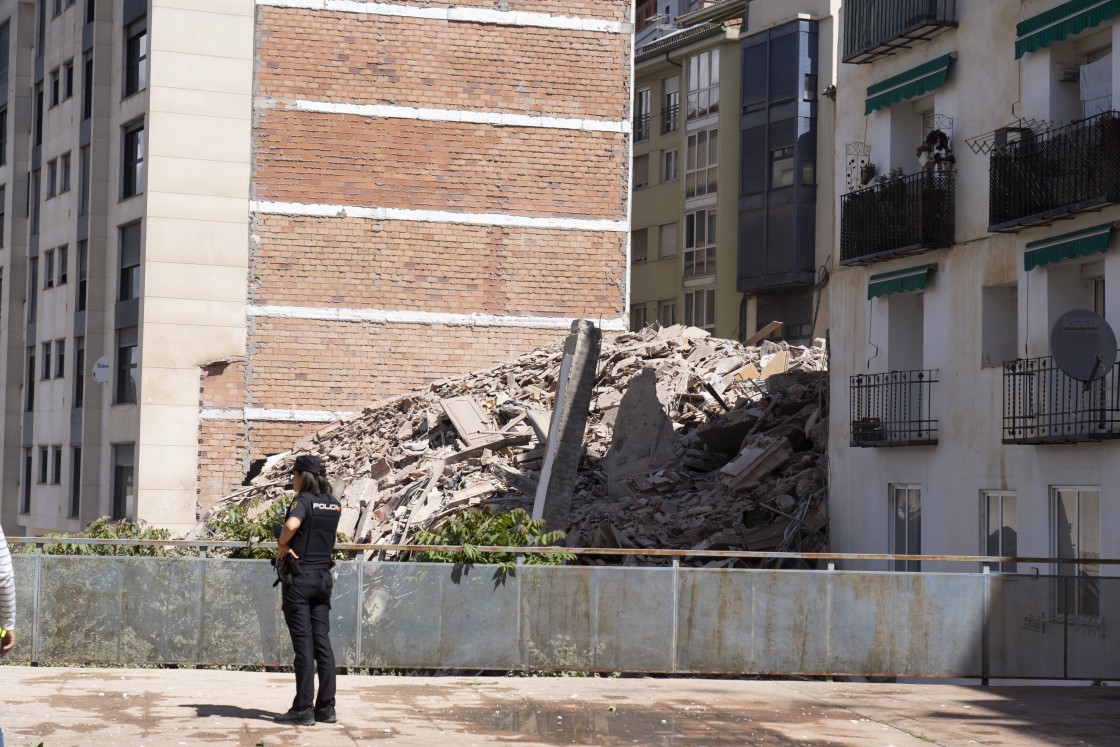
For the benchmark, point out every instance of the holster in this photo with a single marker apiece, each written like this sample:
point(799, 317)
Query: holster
point(286, 570)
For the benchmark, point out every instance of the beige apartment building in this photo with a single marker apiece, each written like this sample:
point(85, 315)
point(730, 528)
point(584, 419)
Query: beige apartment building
point(218, 237)
point(733, 142)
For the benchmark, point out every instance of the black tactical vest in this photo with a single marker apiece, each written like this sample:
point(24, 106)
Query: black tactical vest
point(314, 540)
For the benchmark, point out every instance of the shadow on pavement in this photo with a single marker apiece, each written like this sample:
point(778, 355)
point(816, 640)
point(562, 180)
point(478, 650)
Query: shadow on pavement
point(205, 710)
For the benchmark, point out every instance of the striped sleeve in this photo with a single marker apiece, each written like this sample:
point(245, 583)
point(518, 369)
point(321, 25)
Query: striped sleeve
point(7, 586)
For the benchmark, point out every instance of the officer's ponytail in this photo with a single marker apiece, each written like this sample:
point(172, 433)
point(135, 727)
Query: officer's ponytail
point(317, 484)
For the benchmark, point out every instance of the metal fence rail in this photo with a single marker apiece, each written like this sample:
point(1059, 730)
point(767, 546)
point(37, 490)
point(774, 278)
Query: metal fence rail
point(133, 610)
point(876, 28)
point(893, 408)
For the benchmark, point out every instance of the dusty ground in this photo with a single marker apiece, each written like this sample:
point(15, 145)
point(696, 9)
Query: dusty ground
point(187, 707)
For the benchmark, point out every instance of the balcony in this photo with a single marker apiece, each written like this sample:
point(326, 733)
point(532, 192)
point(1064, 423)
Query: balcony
point(1042, 405)
point(1041, 178)
point(898, 216)
point(669, 117)
point(893, 409)
point(878, 28)
point(641, 127)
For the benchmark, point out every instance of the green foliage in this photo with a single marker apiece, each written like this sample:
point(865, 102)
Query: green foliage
point(106, 528)
point(473, 528)
point(248, 522)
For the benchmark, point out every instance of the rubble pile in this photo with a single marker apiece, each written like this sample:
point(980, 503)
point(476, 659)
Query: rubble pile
point(692, 442)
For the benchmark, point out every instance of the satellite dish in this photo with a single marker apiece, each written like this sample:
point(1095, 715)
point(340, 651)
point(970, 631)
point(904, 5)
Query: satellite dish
point(1083, 345)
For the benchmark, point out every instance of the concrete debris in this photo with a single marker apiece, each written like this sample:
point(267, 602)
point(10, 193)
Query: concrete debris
point(664, 464)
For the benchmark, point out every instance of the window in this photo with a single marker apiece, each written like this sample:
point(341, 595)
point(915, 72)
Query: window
point(38, 114)
point(637, 317)
point(639, 245)
point(1075, 532)
point(703, 84)
point(55, 88)
point(91, 10)
point(670, 104)
point(1095, 81)
point(56, 465)
point(124, 478)
point(44, 464)
point(699, 243)
point(84, 181)
point(669, 165)
point(59, 359)
point(68, 80)
point(64, 173)
point(45, 351)
point(781, 168)
point(641, 171)
point(127, 361)
point(3, 214)
point(48, 269)
point(906, 526)
point(667, 312)
point(132, 172)
point(32, 288)
point(52, 178)
point(128, 286)
point(25, 488)
point(79, 372)
point(136, 57)
point(3, 136)
point(29, 380)
point(87, 85)
point(999, 325)
point(35, 185)
point(75, 482)
point(999, 527)
point(83, 274)
point(700, 309)
point(700, 163)
point(63, 264)
point(668, 241)
point(641, 115)
point(57, 7)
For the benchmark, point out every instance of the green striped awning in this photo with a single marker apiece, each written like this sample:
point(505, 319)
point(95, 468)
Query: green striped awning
point(909, 280)
point(1067, 246)
point(1056, 24)
point(914, 82)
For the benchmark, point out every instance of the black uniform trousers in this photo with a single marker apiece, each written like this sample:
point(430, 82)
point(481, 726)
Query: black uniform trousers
point(307, 610)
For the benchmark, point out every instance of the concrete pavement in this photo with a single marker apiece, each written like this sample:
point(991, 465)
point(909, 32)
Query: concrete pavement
point(151, 707)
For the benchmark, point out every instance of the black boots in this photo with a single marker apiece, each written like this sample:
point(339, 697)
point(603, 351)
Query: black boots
point(325, 715)
point(298, 718)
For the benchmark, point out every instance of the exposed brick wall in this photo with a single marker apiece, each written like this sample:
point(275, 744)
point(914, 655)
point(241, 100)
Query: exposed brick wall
point(223, 449)
point(314, 365)
point(356, 263)
point(608, 10)
point(470, 66)
point(270, 437)
point(411, 164)
point(223, 385)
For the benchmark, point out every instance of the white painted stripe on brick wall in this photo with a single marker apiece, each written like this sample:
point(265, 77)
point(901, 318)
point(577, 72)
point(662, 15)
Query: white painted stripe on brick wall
point(501, 119)
point(389, 316)
point(258, 413)
point(313, 210)
point(465, 15)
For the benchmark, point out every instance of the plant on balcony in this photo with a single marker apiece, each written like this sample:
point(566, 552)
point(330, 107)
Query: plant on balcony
point(867, 173)
point(935, 153)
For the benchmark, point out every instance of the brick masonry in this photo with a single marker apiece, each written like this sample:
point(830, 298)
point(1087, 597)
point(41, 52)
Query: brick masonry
point(418, 266)
point(472, 67)
point(439, 267)
point(310, 157)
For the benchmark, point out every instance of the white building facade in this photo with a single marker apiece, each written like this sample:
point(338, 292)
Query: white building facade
point(952, 429)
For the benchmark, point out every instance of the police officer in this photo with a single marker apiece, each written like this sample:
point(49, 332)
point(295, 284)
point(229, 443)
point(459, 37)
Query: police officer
point(308, 535)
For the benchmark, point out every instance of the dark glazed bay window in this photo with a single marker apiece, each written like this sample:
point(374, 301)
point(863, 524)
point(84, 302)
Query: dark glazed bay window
point(25, 488)
point(136, 57)
point(79, 371)
point(29, 381)
point(124, 479)
point(75, 481)
point(87, 86)
point(132, 171)
point(83, 274)
point(38, 114)
point(128, 360)
point(703, 84)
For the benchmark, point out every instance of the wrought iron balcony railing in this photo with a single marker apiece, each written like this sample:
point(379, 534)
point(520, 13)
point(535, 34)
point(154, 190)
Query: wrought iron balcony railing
point(893, 409)
point(1043, 177)
point(1041, 404)
point(641, 127)
point(877, 28)
point(898, 216)
point(669, 116)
